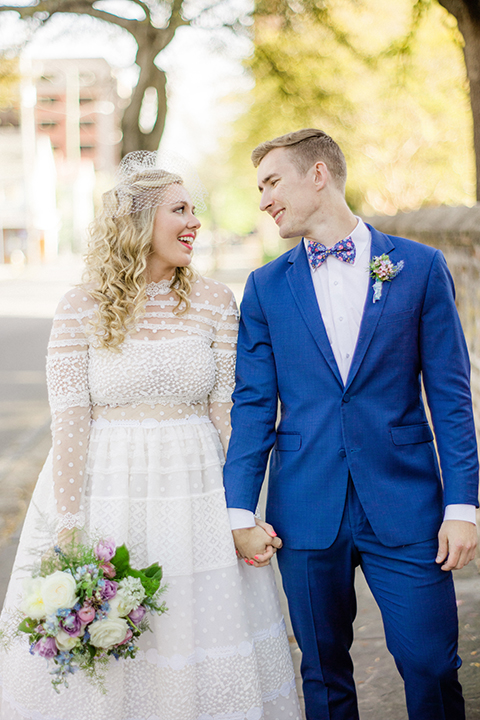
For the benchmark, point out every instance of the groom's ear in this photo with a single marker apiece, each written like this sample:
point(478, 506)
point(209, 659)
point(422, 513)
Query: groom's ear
point(321, 175)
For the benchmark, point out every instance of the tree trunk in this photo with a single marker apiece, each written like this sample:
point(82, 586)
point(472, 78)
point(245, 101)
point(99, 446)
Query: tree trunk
point(467, 15)
point(150, 42)
point(133, 137)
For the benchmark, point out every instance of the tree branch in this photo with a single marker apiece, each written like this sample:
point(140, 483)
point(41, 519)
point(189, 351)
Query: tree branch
point(176, 18)
point(145, 9)
point(75, 7)
point(84, 8)
point(460, 8)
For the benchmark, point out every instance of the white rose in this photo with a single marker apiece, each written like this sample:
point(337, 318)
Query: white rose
point(107, 633)
point(32, 603)
point(120, 606)
point(59, 591)
point(64, 641)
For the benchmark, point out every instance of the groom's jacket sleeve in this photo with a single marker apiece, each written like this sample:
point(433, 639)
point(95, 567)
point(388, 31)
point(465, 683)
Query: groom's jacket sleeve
point(255, 406)
point(446, 377)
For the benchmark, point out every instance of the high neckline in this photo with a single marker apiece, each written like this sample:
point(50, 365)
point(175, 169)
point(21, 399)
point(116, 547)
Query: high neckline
point(158, 288)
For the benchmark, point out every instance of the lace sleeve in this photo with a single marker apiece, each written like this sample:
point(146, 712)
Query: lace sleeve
point(67, 380)
point(224, 350)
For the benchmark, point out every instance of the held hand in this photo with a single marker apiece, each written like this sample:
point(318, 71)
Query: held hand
point(264, 558)
point(258, 544)
point(457, 542)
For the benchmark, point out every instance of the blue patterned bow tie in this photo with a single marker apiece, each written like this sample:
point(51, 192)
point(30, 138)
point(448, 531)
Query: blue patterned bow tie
point(317, 253)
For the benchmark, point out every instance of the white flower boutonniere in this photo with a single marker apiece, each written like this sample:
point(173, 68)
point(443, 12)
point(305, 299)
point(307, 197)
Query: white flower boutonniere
point(383, 270)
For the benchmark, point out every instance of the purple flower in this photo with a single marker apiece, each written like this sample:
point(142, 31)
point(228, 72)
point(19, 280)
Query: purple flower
point(137, 615)
point(105, 550)
point(46, 647)
point(72, 624)
point(109, 590)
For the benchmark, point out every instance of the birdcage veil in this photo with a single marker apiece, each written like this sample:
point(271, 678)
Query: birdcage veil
point(146, 179)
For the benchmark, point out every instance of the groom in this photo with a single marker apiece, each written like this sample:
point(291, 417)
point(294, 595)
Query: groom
point(354, 478)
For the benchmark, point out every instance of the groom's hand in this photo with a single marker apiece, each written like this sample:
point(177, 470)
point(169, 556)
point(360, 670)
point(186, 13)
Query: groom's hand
point(457, 542)
point(257, 545)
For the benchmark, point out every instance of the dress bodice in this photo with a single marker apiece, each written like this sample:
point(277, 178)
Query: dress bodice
point(176, 370)
point(169, 365)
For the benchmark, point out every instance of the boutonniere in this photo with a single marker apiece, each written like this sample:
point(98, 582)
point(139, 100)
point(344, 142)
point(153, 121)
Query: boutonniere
point(383, 270)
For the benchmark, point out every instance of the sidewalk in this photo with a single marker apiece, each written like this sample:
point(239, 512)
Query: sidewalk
point(380, 691)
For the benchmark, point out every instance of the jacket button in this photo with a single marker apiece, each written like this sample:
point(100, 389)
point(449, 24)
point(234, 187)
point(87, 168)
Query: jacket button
point(346, 398)
point(342, 452)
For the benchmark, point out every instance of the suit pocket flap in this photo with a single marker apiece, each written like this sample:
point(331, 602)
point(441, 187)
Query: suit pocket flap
point(288, 442)
point(395, 317)
point(411, 434)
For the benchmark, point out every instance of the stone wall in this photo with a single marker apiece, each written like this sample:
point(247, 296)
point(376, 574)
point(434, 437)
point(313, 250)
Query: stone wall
point(455, 231)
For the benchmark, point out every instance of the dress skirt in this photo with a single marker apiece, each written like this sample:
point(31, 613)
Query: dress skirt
point(221, 651)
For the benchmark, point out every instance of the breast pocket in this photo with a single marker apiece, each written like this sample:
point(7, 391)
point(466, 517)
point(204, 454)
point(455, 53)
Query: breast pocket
point(288, 442)
point(395, 317)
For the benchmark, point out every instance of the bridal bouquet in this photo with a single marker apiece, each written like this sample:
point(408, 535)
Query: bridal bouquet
point(87, 604)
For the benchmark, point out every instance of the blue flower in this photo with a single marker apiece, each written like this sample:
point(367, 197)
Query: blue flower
point(63, 612)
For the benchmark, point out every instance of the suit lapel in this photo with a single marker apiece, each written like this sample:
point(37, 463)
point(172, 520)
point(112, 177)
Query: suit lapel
point(372, 311)
point(300, 281)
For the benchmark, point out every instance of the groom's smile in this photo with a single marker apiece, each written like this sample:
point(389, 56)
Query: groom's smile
point(278, 215)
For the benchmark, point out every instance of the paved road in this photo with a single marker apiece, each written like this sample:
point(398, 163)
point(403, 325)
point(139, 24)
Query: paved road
point(24, 414)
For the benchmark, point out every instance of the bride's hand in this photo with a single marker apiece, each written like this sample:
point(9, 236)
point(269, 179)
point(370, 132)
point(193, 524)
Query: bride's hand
point(66, 538)
point(65, 541)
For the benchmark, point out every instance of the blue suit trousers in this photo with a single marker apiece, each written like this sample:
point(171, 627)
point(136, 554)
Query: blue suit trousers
point(417, 602)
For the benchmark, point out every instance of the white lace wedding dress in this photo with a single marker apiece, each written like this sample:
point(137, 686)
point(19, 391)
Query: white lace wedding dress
point(137, 455)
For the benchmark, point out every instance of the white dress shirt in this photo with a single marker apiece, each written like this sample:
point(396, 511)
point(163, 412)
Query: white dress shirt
point(341, 289)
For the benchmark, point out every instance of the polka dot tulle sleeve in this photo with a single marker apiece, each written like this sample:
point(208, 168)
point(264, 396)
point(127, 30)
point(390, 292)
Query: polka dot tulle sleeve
point(224, 350)
point(67, 379)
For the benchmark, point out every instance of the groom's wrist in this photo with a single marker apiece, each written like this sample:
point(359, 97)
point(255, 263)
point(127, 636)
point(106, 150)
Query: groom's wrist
point(459, 511)
point(240, 518)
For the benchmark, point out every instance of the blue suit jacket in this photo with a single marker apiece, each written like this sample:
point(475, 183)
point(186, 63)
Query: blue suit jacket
point(374, 427)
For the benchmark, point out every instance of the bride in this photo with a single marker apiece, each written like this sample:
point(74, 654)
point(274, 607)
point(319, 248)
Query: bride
point(140, 371)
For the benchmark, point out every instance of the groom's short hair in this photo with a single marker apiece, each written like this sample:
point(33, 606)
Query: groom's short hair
point(306, 148)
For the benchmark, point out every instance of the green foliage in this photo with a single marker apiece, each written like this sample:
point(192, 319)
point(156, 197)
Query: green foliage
point(150, 577)
point(386, 80)
point(121, 562)
point(9, 80)
point(28, 625)
point(71, 555)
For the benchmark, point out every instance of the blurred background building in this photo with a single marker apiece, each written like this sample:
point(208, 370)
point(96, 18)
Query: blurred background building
point(59, 143)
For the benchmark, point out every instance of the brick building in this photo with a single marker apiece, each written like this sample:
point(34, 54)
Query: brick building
point(59, 143)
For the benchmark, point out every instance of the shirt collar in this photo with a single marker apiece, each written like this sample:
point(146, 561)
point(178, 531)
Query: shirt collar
point(362, 238)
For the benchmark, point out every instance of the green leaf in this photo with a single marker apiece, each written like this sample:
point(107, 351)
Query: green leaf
point(153, 571)
point(121, 562)
point(28, 625)
point(150, 584)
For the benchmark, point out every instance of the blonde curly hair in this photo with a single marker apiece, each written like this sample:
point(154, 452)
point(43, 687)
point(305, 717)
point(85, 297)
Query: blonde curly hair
point(116, 259)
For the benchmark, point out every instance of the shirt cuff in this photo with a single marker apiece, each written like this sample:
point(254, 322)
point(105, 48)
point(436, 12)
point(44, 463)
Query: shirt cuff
point(240, 518)
point(461, 512)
